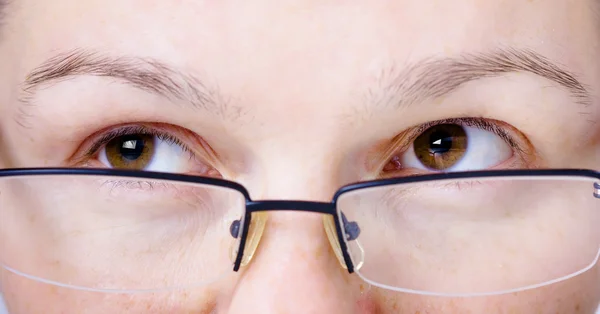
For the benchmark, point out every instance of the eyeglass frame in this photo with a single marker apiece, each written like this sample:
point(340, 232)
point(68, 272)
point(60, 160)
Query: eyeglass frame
point(351, 228)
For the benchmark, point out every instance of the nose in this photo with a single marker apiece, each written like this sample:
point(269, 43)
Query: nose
point(294, 270)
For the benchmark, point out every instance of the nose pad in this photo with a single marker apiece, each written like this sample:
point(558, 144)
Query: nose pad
point(331, 232)
point(357, 255)
point(596, 189)
point(255, 232)
point(257, 228)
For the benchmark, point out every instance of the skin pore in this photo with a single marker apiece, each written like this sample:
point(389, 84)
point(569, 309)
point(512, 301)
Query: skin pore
point(294, 99)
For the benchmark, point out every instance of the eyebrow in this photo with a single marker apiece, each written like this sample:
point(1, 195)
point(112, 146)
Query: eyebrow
point(433, 78)
point(3, 13)
point(144, 73)
point(416, 83)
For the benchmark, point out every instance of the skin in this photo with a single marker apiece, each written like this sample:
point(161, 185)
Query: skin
point(295, 74)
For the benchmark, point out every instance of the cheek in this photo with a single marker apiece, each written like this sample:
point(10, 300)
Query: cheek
point(577, 295)
point(19, 293)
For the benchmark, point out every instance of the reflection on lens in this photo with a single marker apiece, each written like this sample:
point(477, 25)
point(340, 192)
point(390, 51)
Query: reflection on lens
point(484, 236)
point(113, 233)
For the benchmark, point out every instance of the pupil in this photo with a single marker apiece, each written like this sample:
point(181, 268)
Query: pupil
point(132, 147)
point(440, 142)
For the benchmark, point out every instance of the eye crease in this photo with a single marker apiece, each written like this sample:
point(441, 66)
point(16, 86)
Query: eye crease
point(437, 146)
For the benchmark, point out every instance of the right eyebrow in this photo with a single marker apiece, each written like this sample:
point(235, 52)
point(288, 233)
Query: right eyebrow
point(146, 74)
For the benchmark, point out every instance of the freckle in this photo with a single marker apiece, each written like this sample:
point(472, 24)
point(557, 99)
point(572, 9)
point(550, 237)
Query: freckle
point(448, 51)
point(577, 308)
point(319, 254)
point(438, 101)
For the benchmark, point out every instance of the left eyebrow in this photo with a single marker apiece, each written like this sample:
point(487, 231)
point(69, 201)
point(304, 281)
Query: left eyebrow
point(432, 78)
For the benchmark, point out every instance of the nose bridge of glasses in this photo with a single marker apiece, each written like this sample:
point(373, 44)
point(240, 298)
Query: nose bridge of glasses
point(256, 213)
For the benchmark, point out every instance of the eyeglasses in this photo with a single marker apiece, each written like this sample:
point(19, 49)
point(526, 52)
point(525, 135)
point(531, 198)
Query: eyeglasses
point(453, 234)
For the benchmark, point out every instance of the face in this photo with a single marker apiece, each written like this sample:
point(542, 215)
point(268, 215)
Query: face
point(293, 100)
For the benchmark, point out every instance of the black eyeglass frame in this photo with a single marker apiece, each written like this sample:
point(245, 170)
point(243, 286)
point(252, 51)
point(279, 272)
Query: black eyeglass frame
point(350, 230)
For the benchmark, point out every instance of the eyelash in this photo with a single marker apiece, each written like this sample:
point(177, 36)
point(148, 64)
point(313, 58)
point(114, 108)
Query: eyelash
point(135, 129)
point(480, 123)
point(519, 143)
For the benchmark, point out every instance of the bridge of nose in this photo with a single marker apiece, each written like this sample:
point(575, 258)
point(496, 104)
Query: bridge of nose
point(293, 269)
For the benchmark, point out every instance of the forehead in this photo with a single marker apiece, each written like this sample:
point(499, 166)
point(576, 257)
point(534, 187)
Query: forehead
point(202, 28)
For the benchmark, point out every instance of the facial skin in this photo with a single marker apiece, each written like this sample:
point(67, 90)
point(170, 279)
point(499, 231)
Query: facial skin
point(303, 104)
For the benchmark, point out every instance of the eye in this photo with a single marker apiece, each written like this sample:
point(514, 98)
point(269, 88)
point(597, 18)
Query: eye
point(453, 147)
point(457, 145)
point(144, 148)
point(143, 152)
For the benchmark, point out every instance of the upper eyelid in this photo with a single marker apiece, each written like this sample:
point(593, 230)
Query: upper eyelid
point(481, 123)
point(94, 142)
point(108, 135)
point(466, 121)
point(189, 141)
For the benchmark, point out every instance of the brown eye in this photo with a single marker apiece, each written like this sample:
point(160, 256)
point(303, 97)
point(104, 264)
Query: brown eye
point(131, 152)
point(441, 146)
point(466, 144)
point(155, 148)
